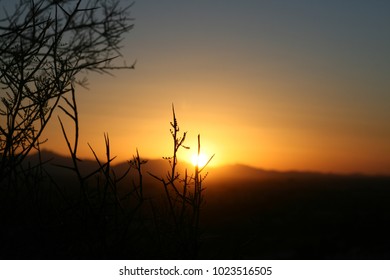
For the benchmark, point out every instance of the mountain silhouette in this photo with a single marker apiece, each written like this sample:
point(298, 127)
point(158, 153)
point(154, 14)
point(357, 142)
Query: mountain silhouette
point(247, 213)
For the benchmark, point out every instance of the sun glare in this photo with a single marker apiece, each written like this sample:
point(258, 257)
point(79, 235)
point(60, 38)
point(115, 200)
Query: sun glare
point(199, 160)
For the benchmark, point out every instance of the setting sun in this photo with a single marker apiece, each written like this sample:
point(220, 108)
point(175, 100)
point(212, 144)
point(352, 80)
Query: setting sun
point(199, 160)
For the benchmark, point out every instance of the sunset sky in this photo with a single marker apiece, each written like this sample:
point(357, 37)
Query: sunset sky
point(287, 85)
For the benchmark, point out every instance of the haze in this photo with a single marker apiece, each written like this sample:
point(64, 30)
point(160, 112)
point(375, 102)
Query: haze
point(281, 85)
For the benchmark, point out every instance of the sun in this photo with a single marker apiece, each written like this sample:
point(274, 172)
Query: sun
point(199, 160)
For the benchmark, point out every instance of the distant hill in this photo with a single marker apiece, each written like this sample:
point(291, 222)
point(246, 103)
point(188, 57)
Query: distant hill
point(159, 167)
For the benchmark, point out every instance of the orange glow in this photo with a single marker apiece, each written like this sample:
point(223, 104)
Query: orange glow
point(199, 160)
point(270, 105)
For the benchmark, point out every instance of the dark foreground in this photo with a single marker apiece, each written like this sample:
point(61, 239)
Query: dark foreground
point(254, 215)
point(306, 217)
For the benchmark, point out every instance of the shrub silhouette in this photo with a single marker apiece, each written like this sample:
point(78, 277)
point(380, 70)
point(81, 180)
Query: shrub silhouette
point(44, 47)
point(184, 195)
point(172, 233)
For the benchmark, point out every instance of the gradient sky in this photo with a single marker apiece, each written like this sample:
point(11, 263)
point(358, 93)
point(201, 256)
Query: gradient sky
point(300, 85)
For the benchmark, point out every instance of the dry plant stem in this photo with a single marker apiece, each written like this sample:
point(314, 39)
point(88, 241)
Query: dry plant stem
point(73, 114)
point(109, 182)
point(184, 201)
point(99, 209)
point(137, 163)
point(197, 200)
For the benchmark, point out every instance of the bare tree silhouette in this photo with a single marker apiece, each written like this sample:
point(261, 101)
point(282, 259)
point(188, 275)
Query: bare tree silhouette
point(45, 45)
